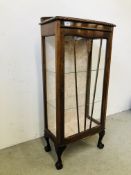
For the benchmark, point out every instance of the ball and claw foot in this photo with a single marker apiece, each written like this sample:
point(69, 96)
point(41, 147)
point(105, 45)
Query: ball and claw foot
point(47, 148)
point(100, 145)
point(58, 165)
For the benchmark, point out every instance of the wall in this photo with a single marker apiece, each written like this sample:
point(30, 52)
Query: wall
point(21, 110)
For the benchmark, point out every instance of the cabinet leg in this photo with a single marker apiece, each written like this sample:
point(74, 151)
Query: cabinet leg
point(59, 151)
point(100, 145)
point(47, 147)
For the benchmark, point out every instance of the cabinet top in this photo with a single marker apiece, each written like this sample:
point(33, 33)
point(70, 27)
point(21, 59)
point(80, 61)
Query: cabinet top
point(45, 20)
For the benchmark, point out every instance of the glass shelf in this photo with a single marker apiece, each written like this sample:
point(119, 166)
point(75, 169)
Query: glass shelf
point(74, 72)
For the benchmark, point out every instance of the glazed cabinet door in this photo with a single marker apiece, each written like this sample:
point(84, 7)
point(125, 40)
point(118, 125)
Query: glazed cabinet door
point(84, 65)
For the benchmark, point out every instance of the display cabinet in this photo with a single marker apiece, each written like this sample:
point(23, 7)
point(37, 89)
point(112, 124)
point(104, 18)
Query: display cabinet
point(76, 56)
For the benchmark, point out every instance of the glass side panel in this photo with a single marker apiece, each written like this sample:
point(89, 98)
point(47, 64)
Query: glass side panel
point(84, 71)
point(51, 82)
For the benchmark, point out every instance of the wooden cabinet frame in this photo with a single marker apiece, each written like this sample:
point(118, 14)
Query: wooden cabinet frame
point(61, 27)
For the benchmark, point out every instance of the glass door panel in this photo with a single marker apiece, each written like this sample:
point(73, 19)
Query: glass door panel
point(84, 70)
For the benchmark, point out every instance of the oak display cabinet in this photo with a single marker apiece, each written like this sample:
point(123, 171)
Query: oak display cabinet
point(76, 56)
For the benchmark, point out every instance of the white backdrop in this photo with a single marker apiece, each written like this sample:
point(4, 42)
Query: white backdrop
point(21, 110)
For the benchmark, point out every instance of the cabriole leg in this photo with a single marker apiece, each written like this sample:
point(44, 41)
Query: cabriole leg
point(47, 147)
point(59, 151)
point(100, 145)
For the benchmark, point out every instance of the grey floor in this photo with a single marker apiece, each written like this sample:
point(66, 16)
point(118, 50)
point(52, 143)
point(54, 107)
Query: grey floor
point(81, 157)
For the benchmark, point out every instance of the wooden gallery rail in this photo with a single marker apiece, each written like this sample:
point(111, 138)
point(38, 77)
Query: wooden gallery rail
point(76, 56)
